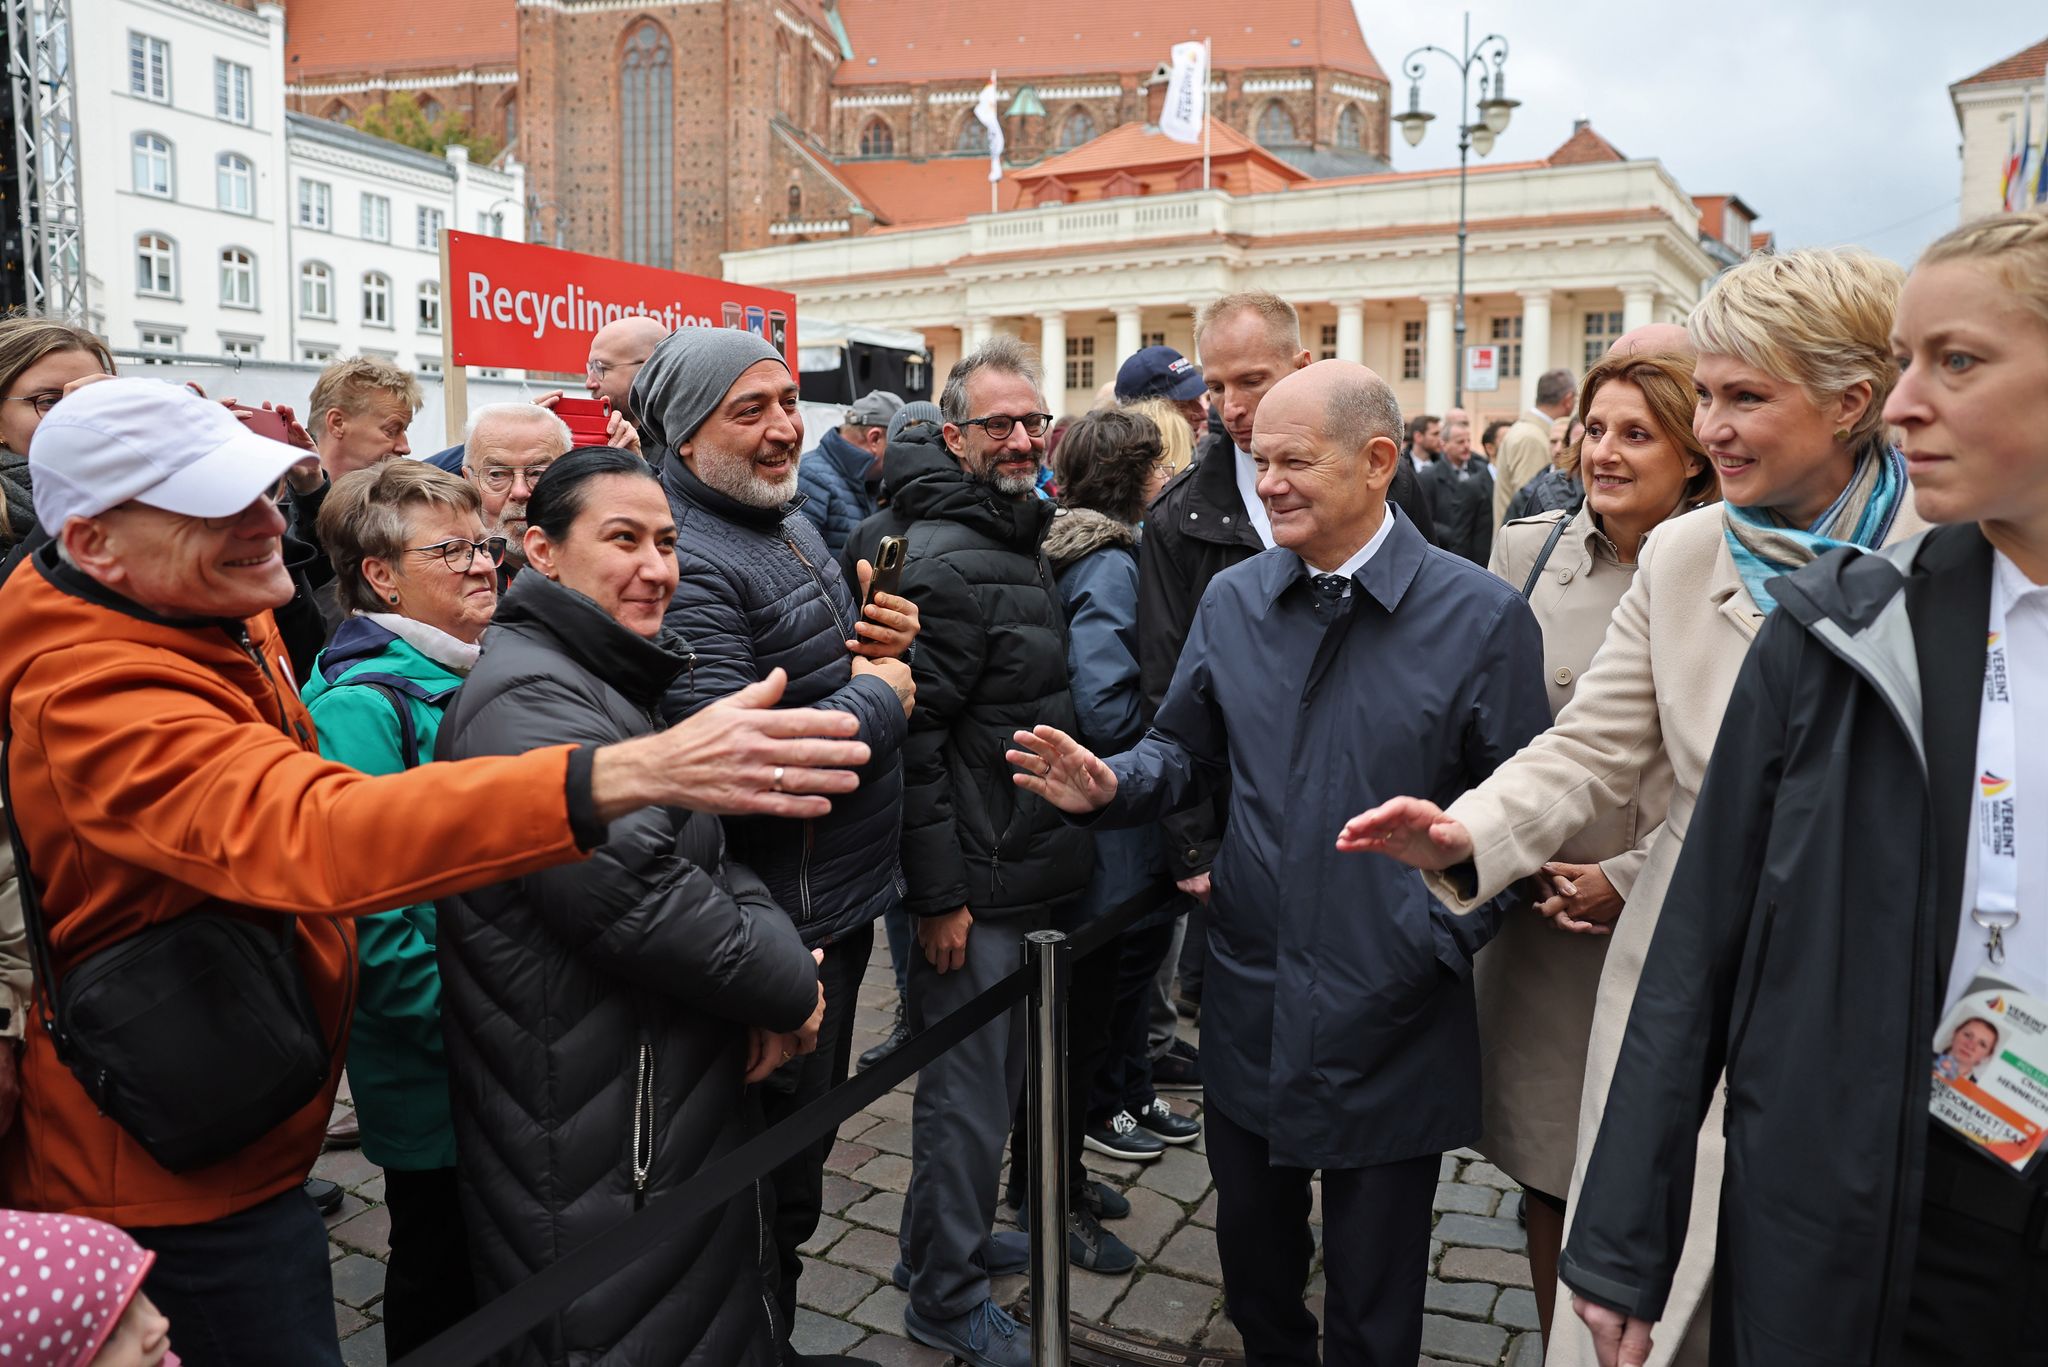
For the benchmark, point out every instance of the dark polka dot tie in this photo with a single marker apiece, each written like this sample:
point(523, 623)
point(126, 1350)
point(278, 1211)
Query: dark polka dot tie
point(1329, 591)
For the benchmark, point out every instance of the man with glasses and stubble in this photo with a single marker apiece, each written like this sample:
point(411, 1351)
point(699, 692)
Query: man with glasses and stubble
point(985, 862)
point(506, 449)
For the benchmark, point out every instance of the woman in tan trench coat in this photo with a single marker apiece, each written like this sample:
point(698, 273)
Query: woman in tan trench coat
point(1794, 366)
point(1538, 980)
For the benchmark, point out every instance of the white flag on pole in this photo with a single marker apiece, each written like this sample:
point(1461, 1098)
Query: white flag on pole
point(985, 110)
point(1187, 94)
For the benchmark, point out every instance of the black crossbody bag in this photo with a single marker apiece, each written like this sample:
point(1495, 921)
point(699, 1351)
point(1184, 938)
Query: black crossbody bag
point(197, 1036)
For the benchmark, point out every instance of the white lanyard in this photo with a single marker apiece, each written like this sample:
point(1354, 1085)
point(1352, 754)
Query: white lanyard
point(1998, 854)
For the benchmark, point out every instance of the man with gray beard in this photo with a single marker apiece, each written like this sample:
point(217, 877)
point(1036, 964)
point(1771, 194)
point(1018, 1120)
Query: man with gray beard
point(758, 591)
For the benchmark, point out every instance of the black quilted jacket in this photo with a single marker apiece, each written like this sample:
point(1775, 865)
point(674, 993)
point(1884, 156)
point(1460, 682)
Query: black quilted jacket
point(991, 659)
point(595, 1017)
point(759, 591)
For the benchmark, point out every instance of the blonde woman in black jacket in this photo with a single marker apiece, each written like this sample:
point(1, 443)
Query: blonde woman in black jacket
point(1868, 864)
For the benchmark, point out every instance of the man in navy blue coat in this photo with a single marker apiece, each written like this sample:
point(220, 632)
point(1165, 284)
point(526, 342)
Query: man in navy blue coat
point(1338, 1030)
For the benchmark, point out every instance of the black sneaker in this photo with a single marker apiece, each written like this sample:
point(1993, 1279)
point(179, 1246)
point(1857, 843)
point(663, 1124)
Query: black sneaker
point(326, 1195)
point(897, 1034)
point(1119, 1137)
point(1091, 1246)
point(1179, 1069)
point(1099, 1199)
point(1166, 1125)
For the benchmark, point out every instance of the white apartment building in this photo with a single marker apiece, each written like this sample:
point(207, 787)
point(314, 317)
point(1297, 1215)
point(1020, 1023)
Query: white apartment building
point(219, 225)
point(1992, 109)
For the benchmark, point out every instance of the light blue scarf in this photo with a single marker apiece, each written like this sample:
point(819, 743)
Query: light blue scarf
point(1765, 545)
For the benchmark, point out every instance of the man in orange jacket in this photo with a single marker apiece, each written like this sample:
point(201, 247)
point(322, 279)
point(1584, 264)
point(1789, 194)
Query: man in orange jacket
point(162, 764)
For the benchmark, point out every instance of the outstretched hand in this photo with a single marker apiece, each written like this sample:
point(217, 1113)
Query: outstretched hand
point(1061, 770)
point(1410, 829)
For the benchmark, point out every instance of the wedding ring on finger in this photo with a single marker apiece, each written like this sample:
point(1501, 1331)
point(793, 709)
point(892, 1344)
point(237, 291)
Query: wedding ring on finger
point(775, 779)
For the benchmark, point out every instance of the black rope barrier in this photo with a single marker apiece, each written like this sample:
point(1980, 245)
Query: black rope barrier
point(554, 1287)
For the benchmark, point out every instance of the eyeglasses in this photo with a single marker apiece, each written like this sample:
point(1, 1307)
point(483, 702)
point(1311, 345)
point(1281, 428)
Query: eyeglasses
point(499, 478)
point(1000, 425)
point(597, 370)
point(42, 402)
point(460, 556)
point(271, 498)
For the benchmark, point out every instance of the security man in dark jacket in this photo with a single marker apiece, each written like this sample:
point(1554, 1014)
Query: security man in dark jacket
point(758, 591)
point(985, 863)
point(1338, 1011)
point(1459, 485)
point(838, 475)
point(1209, 519)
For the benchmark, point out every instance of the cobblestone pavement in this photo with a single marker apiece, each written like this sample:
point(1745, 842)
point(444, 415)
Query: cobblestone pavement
point(1480, 1308)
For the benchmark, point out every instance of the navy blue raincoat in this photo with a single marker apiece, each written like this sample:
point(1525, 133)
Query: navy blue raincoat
point(1337, 1008)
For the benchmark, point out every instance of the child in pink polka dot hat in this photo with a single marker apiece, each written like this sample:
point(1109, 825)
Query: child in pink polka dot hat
point(71, 1296)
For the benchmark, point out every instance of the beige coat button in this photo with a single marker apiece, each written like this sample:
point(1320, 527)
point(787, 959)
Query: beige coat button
point(1564, 576)
point(1563, 676)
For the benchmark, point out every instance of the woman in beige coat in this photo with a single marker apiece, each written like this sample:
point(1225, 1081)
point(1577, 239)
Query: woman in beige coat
point(1794, 366)
point(1538, 980)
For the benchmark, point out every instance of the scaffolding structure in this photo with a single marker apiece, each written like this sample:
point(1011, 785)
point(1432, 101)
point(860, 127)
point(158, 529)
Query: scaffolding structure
point(42, 230)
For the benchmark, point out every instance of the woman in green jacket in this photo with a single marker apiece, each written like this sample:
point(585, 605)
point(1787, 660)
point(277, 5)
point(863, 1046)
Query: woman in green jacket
point(420, 582)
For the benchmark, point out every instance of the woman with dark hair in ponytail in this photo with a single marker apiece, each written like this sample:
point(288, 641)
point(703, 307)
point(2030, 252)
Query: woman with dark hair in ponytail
point(603, 1020)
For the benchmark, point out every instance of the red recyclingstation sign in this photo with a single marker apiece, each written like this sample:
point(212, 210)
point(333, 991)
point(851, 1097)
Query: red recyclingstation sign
point(520, 306)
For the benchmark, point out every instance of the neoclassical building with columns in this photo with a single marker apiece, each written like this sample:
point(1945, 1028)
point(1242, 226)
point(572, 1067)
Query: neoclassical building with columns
point(1105, 250)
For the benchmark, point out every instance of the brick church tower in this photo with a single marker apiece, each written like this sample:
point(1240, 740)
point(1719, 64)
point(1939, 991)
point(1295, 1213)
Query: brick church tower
point(652, 131)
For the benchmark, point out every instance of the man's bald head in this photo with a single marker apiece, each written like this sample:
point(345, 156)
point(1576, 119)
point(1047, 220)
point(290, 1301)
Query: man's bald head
point(1652, 338)
point(617, 351)
point(1325, 441)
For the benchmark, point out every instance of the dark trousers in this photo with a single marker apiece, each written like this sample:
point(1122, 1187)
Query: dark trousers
point(1124, 1081)
point(1980, 1293)
point(1194, 950)
point(250, 1290)
point(1375, 1253)
point(1091, 1000)
point(798, 1186)
point(428, 1281)
point(896, 924)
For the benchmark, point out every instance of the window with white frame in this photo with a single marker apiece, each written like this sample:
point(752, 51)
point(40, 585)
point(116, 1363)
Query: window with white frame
point(1507, 335)
point(1602, 328)
point(1329, 342)
point(153, 165)
point(161, 341)
point(316, 204)
point(156, 265)
point(430, 305)
point(316, 291)
point(427, 365)
point(234, 179)
point(1080, 363)
point(149, 68)
point(428, 224)
point(1411, 349)
point(240, 348)
point(316, 353)
point(490, 223)
point(238, 278)
point(490, 373)
point(376, 218)
point(376, 300)
point(231, 91)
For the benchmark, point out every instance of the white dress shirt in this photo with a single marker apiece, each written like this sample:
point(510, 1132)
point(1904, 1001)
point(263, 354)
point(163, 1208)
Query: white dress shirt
point(1248, 490)
point(1360, 556)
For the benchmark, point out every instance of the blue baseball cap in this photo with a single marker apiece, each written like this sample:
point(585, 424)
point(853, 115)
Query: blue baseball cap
point(1158, 371)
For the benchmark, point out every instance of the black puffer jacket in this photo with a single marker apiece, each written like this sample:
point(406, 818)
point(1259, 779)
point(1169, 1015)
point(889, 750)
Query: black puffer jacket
point(917, 452)
point(991, 659)
point(596, 1014)
point(759, 591)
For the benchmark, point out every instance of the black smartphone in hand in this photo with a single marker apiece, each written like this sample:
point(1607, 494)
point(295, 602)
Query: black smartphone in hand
point(888, 574)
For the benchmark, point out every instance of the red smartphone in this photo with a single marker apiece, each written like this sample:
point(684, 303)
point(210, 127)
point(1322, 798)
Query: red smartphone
point(264, 422)
point(589, 420)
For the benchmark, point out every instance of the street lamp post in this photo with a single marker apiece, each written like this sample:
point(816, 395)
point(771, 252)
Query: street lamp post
point(1495, 109)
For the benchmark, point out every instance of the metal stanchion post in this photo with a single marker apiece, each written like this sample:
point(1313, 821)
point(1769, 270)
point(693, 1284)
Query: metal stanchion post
point(1047, 953)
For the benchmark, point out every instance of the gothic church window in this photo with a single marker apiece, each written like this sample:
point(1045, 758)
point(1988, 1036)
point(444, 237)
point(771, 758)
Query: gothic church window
point(646, 159)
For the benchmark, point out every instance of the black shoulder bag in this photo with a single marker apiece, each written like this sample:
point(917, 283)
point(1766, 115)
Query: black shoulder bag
point(1543, 556)
point(197, 1036)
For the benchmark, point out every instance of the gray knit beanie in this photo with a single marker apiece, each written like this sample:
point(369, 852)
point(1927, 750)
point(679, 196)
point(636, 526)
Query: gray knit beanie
point(917, 410)
point(686, 379)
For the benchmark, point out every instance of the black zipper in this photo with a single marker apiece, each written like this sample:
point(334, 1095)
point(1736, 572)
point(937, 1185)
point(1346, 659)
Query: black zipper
point(643, 1121)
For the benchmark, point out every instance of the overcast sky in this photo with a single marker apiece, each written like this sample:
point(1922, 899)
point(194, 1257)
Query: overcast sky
point(1830, 118)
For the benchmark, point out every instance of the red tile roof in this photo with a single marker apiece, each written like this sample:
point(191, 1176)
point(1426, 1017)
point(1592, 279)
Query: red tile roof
point(1583, 147)
point(1136, 146)
point(949, 40)
point(2025, 65)
point(922, 193)
point(325, 38)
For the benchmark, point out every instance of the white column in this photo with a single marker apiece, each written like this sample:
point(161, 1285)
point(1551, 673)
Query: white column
point(1439, 355)
point(1351, 330)
point(1638, 306)
point(1052, 354)
point(1535, 342)
point(976, 330)
point(1130, 333)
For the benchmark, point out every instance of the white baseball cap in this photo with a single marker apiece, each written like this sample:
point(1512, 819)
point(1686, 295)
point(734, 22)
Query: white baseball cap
point(149, 441)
